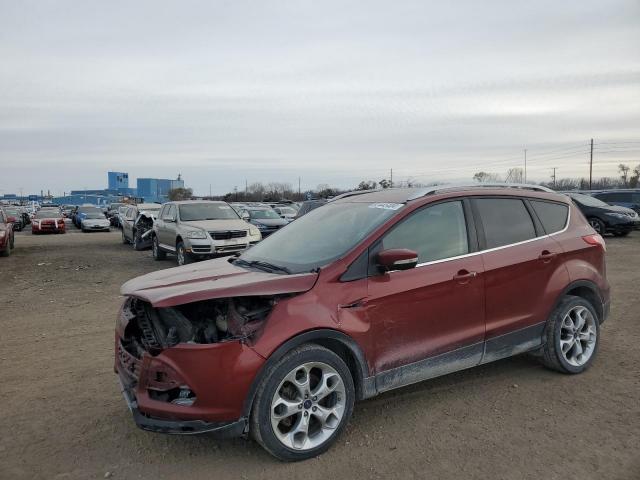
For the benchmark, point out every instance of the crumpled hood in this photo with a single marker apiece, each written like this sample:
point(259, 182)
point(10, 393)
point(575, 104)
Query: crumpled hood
point(212, 279)
point(215, 225)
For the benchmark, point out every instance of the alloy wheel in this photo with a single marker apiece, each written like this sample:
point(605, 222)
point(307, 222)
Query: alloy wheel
point(180, 255)
point(596, 225)
point(578, 335)
point(308, 406)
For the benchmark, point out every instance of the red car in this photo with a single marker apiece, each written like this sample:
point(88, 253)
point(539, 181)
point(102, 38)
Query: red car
point(7, 237)
point(371, 292)
point(47, 221)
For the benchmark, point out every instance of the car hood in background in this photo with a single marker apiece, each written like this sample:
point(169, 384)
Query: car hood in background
point(628, 211)
point(212, 279)
point(218, 225)
point(271, 222)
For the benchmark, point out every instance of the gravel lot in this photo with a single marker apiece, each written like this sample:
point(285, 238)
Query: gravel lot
point(63, 416)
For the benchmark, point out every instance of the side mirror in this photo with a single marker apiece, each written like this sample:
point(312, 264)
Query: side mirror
point(170, 219)
point(397, 259)
point(245, 216)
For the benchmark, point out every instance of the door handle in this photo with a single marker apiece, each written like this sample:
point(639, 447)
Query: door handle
point(546, 256)
point(464, 276)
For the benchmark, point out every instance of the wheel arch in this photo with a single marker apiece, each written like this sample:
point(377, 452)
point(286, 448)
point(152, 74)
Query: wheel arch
point(339, 343)
point(589, 291)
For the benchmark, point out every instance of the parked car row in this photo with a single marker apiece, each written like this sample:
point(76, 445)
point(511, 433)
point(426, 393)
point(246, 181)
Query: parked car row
point(369, 293)
point(201, 229)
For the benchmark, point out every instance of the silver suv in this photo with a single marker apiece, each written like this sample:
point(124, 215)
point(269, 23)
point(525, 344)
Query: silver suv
point(200, 229)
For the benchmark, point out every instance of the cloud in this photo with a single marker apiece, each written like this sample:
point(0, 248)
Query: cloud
point(332, 92)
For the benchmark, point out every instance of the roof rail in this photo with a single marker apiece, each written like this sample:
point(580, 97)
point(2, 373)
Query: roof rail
point(442, 188)
point(352, 194)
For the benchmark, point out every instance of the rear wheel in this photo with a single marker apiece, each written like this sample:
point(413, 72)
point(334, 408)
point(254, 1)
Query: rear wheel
point(303, 404)
point(157, 253)
point(598, 225)
point(572, 336)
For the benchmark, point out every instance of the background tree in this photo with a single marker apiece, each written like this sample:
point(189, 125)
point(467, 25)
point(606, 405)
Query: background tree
point(366, 185)
point(180, 194)
point(384, 183)
point(624, 173)
point(486, 177)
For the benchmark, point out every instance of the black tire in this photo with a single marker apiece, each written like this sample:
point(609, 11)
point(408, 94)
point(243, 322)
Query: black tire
point(6, 251)
point(551, 355)
point(155, 248)
point(621, 234)
point(182, 257)
point(137, 240)
point(598, 225)
point(124, 239)
point(260, 421)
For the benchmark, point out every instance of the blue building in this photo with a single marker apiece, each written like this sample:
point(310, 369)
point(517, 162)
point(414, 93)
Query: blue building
point(157, 189)
point(118, 180)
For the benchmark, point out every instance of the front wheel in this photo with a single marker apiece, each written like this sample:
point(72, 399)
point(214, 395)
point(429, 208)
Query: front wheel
point(182, 256)
point(598, 225)
point(303, 404)
point(155, 248)
point(572, 336)
point(137, 240)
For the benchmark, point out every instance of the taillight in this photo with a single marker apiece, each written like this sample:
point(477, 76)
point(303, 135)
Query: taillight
point(596, 240)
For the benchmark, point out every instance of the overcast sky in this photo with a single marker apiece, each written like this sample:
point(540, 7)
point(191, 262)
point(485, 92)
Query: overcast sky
point(333, 92)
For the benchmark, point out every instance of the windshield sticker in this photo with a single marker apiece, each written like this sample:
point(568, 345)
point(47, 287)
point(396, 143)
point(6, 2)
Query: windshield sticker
point(386, 206)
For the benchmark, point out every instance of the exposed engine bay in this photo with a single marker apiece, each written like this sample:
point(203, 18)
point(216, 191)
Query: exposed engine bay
point(144, 227)
point(211, 321)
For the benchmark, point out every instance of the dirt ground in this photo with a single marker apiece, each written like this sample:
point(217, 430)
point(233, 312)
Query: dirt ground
point(62, 415)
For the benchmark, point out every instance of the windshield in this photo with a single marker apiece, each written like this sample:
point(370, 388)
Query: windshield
point(94, 215)
point(264, 214)
point(47, 214)
point(287, 211)
point(321, 236)
point(588, 200)
point(206, 211)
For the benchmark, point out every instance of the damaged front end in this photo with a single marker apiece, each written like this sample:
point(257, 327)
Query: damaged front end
point(190, 363)
point(143, 226)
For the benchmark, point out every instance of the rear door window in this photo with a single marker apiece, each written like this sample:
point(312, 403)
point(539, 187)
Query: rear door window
point(553, 216)
point(505, 221)
point(435, 233)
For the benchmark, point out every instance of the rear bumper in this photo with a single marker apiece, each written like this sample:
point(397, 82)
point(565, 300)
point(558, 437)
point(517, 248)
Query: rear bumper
point(180, 427)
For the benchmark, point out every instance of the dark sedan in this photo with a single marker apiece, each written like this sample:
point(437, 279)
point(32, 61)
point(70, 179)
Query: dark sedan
point(605, 218)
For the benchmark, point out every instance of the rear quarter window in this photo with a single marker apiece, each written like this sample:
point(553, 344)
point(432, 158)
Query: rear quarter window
point(553, 216)
point(505, 221)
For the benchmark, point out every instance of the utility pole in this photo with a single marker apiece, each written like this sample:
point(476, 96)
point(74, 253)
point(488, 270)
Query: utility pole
point(246, 188)
point(525, 165)
point(554, 177)
point(391, 179)
point(591, 165)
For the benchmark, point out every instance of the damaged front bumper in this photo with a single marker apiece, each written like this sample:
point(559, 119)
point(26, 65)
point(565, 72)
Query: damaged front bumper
point(180, 427)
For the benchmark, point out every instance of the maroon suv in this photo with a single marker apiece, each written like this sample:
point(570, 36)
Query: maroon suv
point(373, 291)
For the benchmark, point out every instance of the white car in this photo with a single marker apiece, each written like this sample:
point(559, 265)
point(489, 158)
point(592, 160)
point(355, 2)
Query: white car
point(95, 221)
